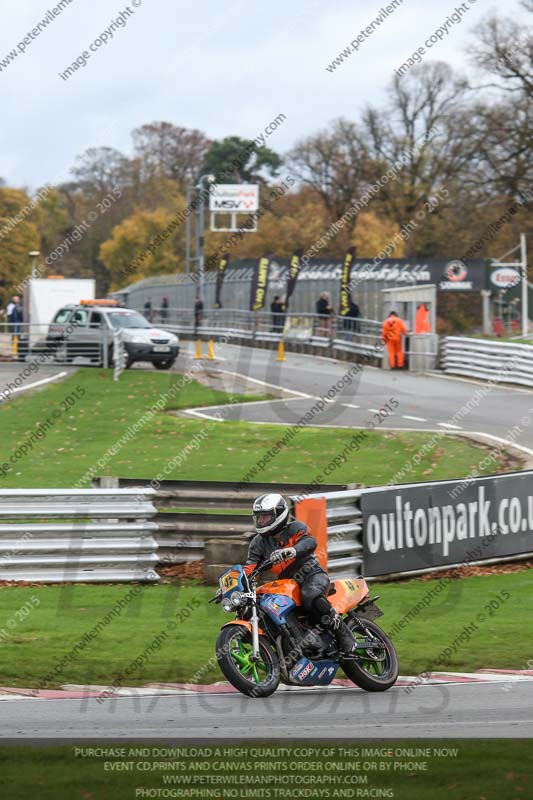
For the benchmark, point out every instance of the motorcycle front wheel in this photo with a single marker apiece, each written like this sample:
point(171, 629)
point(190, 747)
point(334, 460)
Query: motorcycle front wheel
point(375, 669)
point(233, 651)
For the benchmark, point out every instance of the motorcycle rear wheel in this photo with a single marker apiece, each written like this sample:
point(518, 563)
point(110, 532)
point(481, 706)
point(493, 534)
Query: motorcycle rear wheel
point(233, 650)
point(373, 675)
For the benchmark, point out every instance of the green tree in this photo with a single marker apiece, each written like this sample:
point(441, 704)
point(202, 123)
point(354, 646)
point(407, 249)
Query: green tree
point(236, 160)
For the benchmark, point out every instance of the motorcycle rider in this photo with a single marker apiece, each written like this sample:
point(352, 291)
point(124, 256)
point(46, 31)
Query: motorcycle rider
point(290, 548)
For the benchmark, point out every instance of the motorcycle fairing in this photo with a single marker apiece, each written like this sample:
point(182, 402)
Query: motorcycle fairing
point(348, 594)
point(313, 673)
point(245, 623)
point(277, 606)
point(231, 581)
point(285, 586)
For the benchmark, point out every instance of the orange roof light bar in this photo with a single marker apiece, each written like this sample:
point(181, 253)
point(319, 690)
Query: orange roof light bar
point(98, 302)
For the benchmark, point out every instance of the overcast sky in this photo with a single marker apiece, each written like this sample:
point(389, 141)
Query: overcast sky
point(225, 68)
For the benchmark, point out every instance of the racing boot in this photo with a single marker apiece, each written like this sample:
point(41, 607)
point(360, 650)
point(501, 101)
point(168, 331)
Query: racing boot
point(330, 619)
point(343, 635)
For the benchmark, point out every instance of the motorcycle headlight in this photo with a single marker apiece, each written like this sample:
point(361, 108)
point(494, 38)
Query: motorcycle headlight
point(236, 599)
point(226, 604)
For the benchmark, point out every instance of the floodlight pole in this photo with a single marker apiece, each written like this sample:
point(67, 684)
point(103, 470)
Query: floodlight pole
point(525, 286)
point(34, 255)
point(200, 227)
point(188, 197)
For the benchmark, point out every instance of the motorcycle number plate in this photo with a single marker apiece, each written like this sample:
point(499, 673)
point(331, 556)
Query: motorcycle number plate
point(229, 580)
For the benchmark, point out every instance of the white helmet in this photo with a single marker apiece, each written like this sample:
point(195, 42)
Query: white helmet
point(270, 512)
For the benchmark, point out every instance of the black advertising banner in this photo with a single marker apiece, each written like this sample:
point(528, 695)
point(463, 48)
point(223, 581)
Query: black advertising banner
point(221, 271)
point(293, 271)
point(259, 284)
point(345, 295)
point(448, 275)
point(418, 526)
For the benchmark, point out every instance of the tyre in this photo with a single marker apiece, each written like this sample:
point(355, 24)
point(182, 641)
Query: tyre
point(164, 364)
point(233, 650)
point(377, 670)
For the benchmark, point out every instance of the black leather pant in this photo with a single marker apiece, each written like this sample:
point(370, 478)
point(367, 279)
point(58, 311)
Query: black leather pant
point(314, 586)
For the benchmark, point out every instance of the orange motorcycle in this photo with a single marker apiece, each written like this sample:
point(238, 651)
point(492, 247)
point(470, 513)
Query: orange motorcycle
point(271, 639)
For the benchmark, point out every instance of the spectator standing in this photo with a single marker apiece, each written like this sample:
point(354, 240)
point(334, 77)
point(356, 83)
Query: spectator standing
point(15, 316)
point(198, 312)
point(164, 309)
point(148, 313)
point(351, 319)
point(277, 308)
point(324, 309)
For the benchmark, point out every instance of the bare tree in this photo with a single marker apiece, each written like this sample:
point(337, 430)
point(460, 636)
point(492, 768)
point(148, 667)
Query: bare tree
point(504, 139)
point(99, 170)
point(505, 50)
point(422, 135)
point(334, 163)
point(166, 150)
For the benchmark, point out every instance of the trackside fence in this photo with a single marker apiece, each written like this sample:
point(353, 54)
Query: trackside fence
point(315, 333)
point(120, 534)
point(85, 535)
point(489, 360)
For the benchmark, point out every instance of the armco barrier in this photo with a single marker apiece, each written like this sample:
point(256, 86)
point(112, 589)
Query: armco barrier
point(101, 535)
point(63, 535)
point(489, 360)
point(181, 536)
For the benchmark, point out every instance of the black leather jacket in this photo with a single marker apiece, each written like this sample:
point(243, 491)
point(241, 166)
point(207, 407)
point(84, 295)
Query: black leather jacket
point(294, 534)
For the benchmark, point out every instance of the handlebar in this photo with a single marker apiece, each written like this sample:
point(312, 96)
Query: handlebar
point(264, 567)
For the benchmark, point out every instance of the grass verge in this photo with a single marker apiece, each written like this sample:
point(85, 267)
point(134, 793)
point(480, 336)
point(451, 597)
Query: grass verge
point(102, 410)
point(485, 616)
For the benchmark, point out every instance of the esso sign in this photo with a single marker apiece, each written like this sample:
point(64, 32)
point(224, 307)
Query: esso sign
point(505, 277)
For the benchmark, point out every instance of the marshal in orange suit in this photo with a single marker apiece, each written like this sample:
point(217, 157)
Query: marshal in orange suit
point(391, 334)
point(422, 323)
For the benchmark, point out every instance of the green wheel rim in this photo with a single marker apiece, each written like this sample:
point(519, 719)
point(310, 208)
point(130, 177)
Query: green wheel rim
point(240, 655)
point(375, 668)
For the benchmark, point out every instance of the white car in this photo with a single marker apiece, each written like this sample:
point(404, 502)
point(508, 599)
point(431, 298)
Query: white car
point(77, 330)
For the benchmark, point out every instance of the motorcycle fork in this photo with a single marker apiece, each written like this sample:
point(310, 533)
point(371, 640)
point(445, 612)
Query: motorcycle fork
point(254, 619)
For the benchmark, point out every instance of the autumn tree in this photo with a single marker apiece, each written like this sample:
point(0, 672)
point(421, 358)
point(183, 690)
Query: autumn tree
point(18, 236)
point(169, 151)
point(144, 244)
